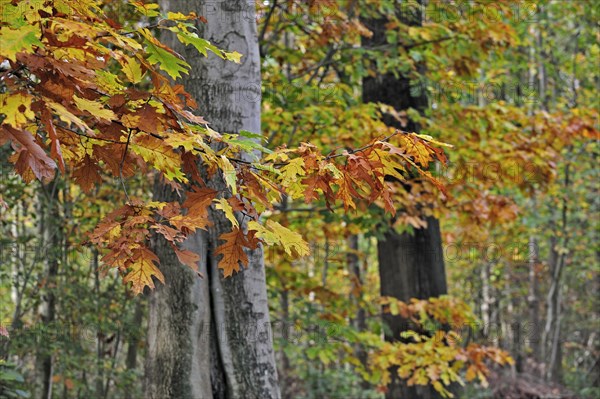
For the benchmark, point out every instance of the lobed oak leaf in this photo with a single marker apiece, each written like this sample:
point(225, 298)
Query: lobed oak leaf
point(291, 172)
point(17, 108)
point(142, 269)
point(131, 69)
point(170, 234)
point(68, 117)
point(169, 61)
point(159, 155)
point(87, 174)
point(188, 258)
point(273, 233)
point(95, 108)
point(13, 41)
point(198, 201)
point(229, 174)
point(232, 251)
point(188, 224)
point(223, 205)
point(55, 150)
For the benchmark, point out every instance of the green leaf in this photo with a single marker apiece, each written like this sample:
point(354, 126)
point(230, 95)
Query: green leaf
point(203, 46)
point(168, 62)
point(246, 143)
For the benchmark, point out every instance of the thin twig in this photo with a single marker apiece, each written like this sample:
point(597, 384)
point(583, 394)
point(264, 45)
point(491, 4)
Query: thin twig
point(351, 151)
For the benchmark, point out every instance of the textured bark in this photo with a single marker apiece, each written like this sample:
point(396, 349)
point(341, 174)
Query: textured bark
point(410, 265)
point(211, 337)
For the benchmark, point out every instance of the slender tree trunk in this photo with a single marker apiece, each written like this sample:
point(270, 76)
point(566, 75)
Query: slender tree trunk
point(410, 265)
point(552, 352)
point(50, 249)
point(360, 321)
point(533, 302)
point(485, 301)
point(211, 337)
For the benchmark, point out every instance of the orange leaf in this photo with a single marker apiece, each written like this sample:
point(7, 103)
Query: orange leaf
point(188, 258)
point(232, 251)
point(197, 202)
point(142, 269)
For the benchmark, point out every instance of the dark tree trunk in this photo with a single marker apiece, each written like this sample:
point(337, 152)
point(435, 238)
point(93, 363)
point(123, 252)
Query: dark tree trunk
point(211, 338)
point(410, 265)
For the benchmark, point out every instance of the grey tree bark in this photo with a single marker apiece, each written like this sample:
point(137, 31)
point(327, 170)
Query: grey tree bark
point(211, 338)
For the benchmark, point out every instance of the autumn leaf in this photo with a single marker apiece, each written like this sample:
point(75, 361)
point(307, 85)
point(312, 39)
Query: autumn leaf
point(95, 109)
point(274, 233)
point(17, 108)
point(55, 150)
point(160, 156)
point(142, 269)
point(229, 174)
point(223, 205)
point(132, 69)
point(168, 61)
point(13, 41)
point(188, 258)
point(30, 160)
point(87, 174)
point(198, 201)
point(232, 251)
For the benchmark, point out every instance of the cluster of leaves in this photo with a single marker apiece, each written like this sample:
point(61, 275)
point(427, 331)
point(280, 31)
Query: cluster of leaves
point(80, 89)
point(436, 351)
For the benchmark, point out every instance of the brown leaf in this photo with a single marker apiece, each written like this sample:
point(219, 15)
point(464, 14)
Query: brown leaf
point(87, 174)
point(232, 251)
point(32, 160)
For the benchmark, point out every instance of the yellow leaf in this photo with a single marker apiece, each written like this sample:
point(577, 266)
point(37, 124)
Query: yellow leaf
point(13, 41)
point(17, 108)
point(159, 155)
point(274, 233)
point(292, 170)
point(229, 174)
point(67, 117)
point(95, 108)
point(234, 56)
point(132, 69)
point(223, 205)
point(430, 139)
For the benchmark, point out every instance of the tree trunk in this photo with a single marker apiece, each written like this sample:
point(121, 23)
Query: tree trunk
point(51, 247)
point(533, 301)
point(410, 265)
point(211, 337)
point(360, 321)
